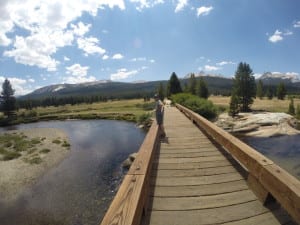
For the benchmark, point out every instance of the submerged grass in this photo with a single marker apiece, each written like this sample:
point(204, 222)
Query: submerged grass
point(12, 146)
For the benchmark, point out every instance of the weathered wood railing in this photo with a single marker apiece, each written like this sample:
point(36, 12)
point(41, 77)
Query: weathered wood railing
point(131, 199)
point(265, 177)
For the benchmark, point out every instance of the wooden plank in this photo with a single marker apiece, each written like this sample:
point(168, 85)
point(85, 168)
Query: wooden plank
point(186, 181)
point(269, 218)
point(188, 154)
point(198, 190)
point(194, 172)
point(126, 207)
point(143, 162)
point(190, 160)
point(131, 199)
point(202, 202)
point(182, 150)
point(207, 216)
point(196, 165)
point(283, 187)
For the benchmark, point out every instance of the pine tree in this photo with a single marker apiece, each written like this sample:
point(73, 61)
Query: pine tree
point(233, 105)
point(298, 112)
point(174, 86)
point(291, 107)
point(7, 99)
point(259, 90)
point(192, 84)
point(244, 86)
point(201, 89)
point(269, 93)
point(281, 91)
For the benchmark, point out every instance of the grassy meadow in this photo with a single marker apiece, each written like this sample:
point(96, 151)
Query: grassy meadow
point(273, 105)
point(135, 110)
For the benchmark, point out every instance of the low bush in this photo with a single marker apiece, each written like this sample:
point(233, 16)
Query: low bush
point(201, 106)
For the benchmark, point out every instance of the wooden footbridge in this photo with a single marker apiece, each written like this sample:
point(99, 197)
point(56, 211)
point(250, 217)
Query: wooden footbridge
point(200, 174)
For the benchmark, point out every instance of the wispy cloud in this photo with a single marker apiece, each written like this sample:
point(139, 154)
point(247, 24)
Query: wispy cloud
point(180, 5)
point(204, 11)
point(223, 63)
point(211, 68)
point(296, 24)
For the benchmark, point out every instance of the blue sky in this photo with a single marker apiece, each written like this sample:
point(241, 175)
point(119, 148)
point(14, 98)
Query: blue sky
point(66, 41)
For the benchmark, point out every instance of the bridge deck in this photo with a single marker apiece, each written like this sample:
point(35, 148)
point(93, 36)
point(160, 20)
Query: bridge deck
point(195, 181)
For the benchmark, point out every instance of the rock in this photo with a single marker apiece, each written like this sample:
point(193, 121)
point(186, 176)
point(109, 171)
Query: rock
point(127, 163)
point(259, 124)
point(133, 156)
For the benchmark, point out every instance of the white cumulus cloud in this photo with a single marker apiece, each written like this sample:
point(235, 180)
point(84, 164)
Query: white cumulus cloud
point(204, 11)
point(146, 3)
point(46, 28)
point(180, 5)
point(90, 46)
point(123, 74)
point(279, 35)
point(117, 56)
point(21, 86)
point(78, 74)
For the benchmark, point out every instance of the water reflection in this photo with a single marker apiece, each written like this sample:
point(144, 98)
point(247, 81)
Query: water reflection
point(283, 150)
point(79, 189)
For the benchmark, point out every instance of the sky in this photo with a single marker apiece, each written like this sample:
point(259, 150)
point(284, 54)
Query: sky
point(45, 42)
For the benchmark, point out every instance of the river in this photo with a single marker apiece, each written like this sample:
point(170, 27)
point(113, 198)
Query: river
point(80, 188)
point(283, 150)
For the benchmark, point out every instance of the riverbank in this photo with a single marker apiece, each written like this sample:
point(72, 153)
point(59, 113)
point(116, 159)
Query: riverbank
point(37, 150)
point(259, 124)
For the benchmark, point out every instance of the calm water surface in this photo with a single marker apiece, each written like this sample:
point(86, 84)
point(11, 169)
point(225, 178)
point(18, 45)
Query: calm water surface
point(80, 188)
point(283, 150)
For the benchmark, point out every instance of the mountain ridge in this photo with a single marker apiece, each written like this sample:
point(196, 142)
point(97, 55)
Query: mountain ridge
point(217, 84)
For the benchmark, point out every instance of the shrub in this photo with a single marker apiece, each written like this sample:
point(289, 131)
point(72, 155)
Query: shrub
point(201, 106)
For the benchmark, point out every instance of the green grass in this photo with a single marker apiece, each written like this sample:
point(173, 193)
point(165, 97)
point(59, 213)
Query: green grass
point(56, 141)
point(128, 110)
point(66, 144)
point(45, 151)
point(12, 145)
point(34, 160)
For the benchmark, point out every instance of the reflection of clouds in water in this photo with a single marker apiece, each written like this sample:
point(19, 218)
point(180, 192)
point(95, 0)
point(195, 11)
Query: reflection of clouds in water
point(75, 189)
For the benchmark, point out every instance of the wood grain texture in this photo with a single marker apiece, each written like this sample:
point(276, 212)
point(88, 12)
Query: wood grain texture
point(273, 179)
point(196, 181)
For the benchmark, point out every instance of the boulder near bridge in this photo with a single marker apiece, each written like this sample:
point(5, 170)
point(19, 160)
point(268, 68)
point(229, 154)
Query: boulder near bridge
point(202, 175)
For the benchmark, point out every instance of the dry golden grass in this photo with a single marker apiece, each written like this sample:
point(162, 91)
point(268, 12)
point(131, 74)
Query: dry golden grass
point(273, 105)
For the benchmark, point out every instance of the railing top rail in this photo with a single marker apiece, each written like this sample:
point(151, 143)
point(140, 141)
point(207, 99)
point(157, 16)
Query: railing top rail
point(128, 204)
point(279, 183)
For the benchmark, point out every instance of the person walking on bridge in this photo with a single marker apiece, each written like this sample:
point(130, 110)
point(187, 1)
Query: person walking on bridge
point(159, 113)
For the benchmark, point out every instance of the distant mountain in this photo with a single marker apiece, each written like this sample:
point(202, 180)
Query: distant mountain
point(100, 88)
point(217, 84)
point(280, 77)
